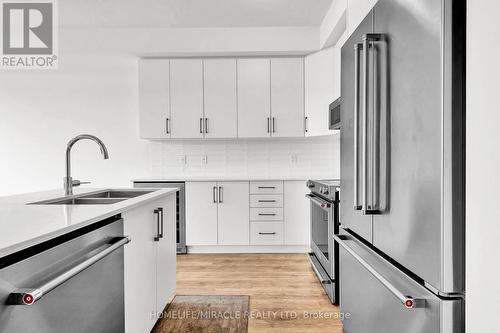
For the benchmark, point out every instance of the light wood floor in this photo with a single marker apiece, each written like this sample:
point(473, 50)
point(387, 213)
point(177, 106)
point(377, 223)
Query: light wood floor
point(276, 283)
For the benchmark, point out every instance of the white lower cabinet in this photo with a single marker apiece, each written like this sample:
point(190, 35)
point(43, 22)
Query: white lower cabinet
point(149, 265)
point(297, 213)
point(201, 213)
point(247, 213)
point(266, 233)
point(233, 213)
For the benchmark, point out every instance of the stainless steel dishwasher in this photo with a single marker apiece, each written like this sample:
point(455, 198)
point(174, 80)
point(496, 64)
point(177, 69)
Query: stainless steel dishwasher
point(73, 283)
point(180, 206)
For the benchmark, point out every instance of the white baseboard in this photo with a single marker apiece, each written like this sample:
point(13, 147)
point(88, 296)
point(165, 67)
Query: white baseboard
point(249, 249)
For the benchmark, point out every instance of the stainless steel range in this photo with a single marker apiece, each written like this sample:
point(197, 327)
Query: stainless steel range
point(324, 199)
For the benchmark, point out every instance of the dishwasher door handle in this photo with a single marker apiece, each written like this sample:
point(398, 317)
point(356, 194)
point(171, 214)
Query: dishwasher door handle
point(28, 296)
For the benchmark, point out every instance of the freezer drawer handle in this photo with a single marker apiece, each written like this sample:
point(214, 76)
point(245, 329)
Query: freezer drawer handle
point(28, 296)
point(408, 302)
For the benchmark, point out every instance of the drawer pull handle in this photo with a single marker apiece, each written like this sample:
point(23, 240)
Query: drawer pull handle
point(267, 200)
point(267, 187)
point(267, 233)
point(267, 214)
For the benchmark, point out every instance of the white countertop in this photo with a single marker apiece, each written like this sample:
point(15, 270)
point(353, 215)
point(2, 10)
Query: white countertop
point(221, 178)
point(23, 225)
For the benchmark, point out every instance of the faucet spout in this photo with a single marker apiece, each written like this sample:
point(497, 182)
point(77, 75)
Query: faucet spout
point(68, 181)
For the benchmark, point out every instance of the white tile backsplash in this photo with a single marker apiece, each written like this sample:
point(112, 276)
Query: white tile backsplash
point(267, 158)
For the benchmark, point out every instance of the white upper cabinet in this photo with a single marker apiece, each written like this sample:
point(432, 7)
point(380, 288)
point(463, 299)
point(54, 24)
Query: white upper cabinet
point(321, 75)
point(254, 102)
point(357, 11)
point(220, 98)
point(186, 98)
point(154, 98)
point(287, 97)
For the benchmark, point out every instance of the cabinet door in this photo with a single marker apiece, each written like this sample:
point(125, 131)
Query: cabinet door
point(287, 97)
point(220, 98)
point(201, 213)
point(233, 214)
point(319, 91)
point(154, 98)
point(140, 225)
point(166, 249)
point(186, 98)
point(297, 214)
point(254, 102)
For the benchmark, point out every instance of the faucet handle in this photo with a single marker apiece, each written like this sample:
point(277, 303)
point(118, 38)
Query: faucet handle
point(78, 183)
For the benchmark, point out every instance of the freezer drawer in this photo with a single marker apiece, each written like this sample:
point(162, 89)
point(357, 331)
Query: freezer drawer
point(380, 298)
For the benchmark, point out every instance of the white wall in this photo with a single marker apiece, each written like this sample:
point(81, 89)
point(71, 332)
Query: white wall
point(41, 110)
point(483, 167)
point(277, 158)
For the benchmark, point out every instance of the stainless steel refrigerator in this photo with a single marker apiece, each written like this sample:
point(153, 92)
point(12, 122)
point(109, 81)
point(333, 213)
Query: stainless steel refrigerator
point(402, 169)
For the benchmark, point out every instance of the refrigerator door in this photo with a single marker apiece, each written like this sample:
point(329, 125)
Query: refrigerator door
point(413, 148)
point(369, 295)
point(350, 167)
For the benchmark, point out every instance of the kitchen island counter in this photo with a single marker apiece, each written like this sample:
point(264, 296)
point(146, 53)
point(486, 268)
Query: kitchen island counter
point(24, 224)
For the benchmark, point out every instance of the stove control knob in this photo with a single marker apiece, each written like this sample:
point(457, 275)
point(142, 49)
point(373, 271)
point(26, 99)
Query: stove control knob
point(325, 191)
point(321, 190)
point(310, 184)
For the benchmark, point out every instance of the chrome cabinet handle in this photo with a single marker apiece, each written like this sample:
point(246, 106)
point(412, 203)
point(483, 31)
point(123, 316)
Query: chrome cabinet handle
point(201, 125)
point(159, 224)
point(28, 296)
point(408, 302)
point(167, 125)
point(357, 49)
point(267, 200)
point(220, 194)
point(274, 122)
point(267, 187)
point(267, 233)
point(267, 214)
point(214, 194)
point(206, 125)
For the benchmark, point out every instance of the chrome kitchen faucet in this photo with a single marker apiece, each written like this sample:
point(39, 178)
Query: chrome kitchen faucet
point(69, 183)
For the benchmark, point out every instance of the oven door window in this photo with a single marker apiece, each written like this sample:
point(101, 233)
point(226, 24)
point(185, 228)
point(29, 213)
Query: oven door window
point(319, 227)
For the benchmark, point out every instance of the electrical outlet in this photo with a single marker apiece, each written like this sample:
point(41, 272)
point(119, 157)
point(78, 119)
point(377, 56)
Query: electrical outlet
point(204, 159)
point(184, 159)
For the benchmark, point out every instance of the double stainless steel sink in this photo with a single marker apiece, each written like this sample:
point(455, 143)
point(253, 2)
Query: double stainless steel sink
point(105, 197)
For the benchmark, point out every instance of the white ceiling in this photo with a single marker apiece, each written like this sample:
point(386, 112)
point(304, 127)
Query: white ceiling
point(191, 13)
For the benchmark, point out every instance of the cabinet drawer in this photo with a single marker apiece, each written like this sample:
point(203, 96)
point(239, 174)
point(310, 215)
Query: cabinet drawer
point(266, 214)
point(266, 233)
point(266, 200)
point(266, 187)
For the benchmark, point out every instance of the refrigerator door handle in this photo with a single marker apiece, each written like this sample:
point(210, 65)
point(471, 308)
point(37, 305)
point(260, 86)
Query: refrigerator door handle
point(408, 302)
point(357, 49)
point(368, 209)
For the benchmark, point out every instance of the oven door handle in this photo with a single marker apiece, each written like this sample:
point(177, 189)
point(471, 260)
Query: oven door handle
point(325, 205)
point(28, 296)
